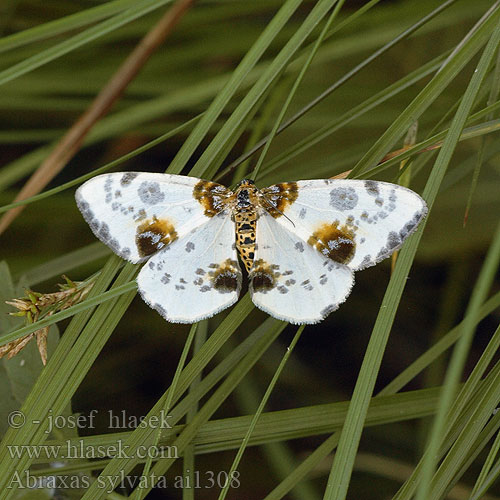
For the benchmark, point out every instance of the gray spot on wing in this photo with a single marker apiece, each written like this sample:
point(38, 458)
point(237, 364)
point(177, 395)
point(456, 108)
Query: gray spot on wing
point(330, 265)
point(411, 225)
point(307, 285)
point(343, 198)
point(114, 245)
point(107, 184)
point(160, 309)
point(189, 246)
point(393, 240)
point(372, 188)
point(140, 215)
point(328, 309)
point(150, 193)
point(299, 246)
point(84, 208)
point(128, 177)
point(367, 261)
point(103, 232)
point(165, 279)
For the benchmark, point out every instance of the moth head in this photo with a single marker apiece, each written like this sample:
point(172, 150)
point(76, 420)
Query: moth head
point(245, 183)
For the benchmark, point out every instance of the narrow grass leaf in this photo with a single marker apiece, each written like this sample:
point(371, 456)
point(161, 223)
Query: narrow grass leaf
point(339, 479)
point(223, 97)
point(67, 23)
point(139, 8)
point(234, 466)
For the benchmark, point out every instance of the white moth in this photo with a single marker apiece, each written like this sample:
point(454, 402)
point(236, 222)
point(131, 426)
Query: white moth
point(300, 242)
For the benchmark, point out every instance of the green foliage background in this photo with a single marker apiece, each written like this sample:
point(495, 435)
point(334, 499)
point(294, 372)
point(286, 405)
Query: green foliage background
point(424, 339)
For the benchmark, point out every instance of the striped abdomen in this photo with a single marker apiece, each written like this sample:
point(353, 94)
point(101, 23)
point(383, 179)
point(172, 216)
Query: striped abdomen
point(246, 221)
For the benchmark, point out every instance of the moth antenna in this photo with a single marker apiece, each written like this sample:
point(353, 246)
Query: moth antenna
point(277, 209)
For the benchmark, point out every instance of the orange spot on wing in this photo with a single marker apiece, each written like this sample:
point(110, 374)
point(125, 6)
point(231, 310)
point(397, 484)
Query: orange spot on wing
point(277, 198)
point(213, 197)
point(153, 235)
point(334, 241)
point(262, 276)
point(226, 278)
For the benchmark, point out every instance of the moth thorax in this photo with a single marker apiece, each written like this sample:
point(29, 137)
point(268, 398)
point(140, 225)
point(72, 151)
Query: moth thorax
point(243, 199)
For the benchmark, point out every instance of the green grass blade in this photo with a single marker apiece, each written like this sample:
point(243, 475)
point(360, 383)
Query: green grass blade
point(68, 23)
point(458, 358)
point(338, 482)
point(223, 97)
point(206, 162)
point(433, 89)
point(140, 8)
point(234, 466)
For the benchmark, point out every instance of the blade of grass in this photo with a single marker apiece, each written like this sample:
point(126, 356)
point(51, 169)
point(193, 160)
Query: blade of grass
point(315, 458)
point(294, 88)
point(195, 366)
point(260, 409)
point(434, 352)
point(431, 144)
point(235, 81)
point(138, 9)
point(458, 359)
point(206, 165)
point(188, 459)
point(356, 112)
point(167, 406)
point(87, 304)
point(406, 33)
point(227, 433)
point(186, 436)
point(487, 466)
point(456, 403)
point(62, 265)
point(104, 168)
point(279, 455)
point(339, 478)
point(480, 34)
point(494, 92)
point(72, 140)
point(488, 482)
point(67, 23)
point(450, 468)
point(56, 376)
